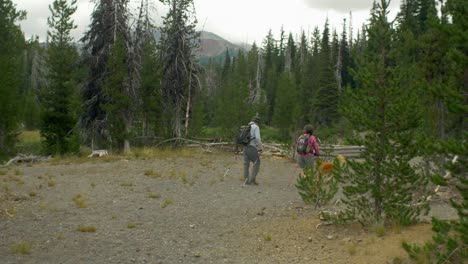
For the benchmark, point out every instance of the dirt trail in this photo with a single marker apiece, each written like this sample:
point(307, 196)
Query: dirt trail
point(175, 209)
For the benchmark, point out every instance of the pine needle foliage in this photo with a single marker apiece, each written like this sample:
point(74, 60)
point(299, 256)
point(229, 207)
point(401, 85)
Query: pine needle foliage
point(60, 97)
point(179, 40)
point(450, 242)
point(386, 185)
point(11, 45)
point(317, 187)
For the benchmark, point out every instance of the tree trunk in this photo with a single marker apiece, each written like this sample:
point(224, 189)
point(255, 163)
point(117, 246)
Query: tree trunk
point(189, 99)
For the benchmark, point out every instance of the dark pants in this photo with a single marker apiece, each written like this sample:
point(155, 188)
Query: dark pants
point(251, 155)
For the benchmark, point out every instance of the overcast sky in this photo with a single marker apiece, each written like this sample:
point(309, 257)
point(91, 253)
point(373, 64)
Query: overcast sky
point(237, 21)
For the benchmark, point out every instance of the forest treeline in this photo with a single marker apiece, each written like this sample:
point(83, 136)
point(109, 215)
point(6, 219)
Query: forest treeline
point(123, 84)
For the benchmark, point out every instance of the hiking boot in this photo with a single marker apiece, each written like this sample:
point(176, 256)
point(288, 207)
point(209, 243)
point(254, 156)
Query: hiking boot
point(253, 183)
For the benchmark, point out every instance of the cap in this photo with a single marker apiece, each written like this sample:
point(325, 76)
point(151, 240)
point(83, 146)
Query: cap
point(256, 119)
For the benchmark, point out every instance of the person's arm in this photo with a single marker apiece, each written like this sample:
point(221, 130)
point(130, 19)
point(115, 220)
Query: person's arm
point(258, 139)
point(315, 146)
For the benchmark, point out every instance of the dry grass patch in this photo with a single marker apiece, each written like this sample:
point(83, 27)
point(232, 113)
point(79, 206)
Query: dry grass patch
point(11, 212)
point(378, 228)
point(183, 177)
point(86, 229)
point(126, 184)
point(351, 248)
point(166, 203)
point(51, 183)
point(80, 202)
point(154, 196)
point(153, 174)
point(21, 248)
point(267, 237)
point(161, 153)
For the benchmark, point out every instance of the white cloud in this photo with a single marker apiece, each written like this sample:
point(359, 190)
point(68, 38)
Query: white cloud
point(236, 21)
point(345, 6)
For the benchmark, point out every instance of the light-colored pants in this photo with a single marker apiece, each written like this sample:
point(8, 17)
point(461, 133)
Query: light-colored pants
point(251, 155)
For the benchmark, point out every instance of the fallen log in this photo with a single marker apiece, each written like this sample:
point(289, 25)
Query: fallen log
point(25, 158)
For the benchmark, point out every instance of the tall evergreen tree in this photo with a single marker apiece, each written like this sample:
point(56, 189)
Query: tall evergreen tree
point(151, 90)
point(59, 98)
point(458, 65)
point(303, 73)
point(109, 21)
point(286, 112)
point(387, 116)
point(326, 101)
point(346, 78)
point(11, 47)
point(178, 43)
point(117, 102)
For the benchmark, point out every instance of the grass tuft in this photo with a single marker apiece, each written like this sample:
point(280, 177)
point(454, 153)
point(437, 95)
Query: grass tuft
point(153, 174)
point(86, 229)
point(126, 184)
point(352, 248)
point(21, 248)
point(51, 183)
point(378, 228)
point(80, 202)
point(154, 196)
point(166, 203)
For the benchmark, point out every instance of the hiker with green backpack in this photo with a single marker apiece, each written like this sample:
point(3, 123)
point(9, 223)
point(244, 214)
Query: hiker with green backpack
point(307, 148)
point(249, 136)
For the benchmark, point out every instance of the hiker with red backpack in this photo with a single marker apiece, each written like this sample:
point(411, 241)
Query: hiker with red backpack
point(307, 148)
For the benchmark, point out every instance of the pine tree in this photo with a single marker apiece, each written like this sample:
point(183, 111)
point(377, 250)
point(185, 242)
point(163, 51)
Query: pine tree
point(326, 101)
point(109, 21)
point(11, 47)
point(151, 90)
point(314, 74)
point(269, 54)
point(303, 71)
point(233, 108)
point(346, 78)
point(179, 68)
point(114, 90)
point(449, 244)
point(386, 116)
point(286, 107)
point(59, 98)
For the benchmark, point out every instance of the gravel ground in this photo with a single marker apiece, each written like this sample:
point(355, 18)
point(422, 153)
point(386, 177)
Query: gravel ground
point(180, 207)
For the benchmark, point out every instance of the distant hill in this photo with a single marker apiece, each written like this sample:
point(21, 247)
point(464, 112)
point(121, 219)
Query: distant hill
point(212, 46)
